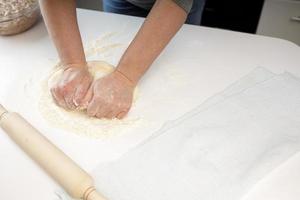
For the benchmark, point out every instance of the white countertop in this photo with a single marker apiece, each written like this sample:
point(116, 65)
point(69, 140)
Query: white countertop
point(214, 58)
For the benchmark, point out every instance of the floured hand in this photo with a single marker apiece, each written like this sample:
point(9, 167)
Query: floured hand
point(70, 89)
point(110, 96)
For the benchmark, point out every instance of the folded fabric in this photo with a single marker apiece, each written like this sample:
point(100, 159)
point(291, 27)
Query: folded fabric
point(218, 151)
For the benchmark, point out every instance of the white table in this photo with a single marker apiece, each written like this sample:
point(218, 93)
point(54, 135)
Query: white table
point(216, 57)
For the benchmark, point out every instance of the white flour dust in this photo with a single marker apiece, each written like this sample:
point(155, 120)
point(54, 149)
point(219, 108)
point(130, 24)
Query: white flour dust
point(108, 47)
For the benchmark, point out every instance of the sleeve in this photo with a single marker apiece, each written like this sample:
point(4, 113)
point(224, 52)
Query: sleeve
point(185, 4)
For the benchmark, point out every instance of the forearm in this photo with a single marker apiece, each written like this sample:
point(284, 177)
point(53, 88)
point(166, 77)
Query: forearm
point(61, 22)
point(162, 23)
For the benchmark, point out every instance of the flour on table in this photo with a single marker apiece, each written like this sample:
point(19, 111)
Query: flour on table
point(77, 121)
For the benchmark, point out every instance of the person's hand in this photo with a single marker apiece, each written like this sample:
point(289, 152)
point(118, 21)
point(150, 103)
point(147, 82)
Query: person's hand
point(111, 96)
point(72, 86)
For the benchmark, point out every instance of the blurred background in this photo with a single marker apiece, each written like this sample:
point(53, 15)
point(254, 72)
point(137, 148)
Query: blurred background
point(276, 18)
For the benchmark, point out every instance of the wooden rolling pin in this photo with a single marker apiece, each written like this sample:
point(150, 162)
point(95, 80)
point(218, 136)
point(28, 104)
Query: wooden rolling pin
point(59, 166)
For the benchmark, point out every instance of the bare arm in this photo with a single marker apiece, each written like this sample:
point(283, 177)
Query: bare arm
point(163, 22)
point(113, 93)
point(61, 22)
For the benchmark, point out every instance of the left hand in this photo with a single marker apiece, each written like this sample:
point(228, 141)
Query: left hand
point(110, 96)
point(71, 87)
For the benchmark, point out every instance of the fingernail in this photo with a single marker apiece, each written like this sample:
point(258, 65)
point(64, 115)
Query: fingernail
point(75, 102)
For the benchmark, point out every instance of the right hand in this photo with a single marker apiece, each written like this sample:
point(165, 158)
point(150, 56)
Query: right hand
point(69, 91)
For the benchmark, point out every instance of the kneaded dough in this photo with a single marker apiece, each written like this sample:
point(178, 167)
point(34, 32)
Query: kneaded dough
point(97, 68)
point(77, 121)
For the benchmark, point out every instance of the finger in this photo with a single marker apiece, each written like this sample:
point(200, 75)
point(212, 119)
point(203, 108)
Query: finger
point(66, 93)
point(58, 98)
point(69, 99)
point(104, 109)
point(121, 114)
point(55, 96)
point(92, 109)
point(81, 91)
point(110, 115)
point(113, 113)
point(87, 98)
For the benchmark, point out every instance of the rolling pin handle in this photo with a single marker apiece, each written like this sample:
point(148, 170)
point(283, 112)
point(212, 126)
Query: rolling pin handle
point(94, 195)
point(59, 166)
point(3, 111)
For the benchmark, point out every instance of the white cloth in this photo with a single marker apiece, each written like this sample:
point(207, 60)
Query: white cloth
point(218, 151)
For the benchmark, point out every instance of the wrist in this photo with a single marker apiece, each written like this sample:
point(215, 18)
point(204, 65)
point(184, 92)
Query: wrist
point(125, 77)
point(130, 72)
point(67, 65)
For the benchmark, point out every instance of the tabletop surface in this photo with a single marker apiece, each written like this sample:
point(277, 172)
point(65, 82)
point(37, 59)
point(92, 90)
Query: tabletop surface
point(214, 58)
